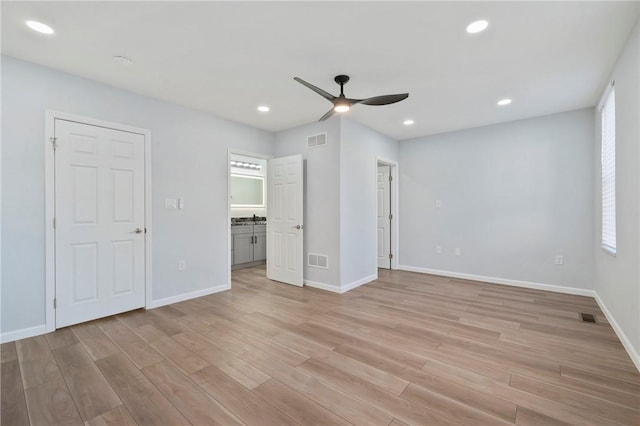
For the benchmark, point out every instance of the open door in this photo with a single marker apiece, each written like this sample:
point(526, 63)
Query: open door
point(284, 220)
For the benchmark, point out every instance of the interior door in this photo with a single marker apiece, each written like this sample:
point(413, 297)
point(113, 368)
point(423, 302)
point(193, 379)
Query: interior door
point(99, 222)
point(384, 217)
point(284, 220)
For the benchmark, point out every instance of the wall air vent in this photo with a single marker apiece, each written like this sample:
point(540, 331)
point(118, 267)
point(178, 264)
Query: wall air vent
point(314, 141)
point(318, 260)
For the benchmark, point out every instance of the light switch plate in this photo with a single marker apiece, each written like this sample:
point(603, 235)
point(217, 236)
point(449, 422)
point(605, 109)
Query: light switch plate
point(171, 203)
point(438, 204)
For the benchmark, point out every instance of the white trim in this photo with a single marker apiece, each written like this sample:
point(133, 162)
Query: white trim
point(633, 354)
point(49, 168)
point(358, 283)
point(341, 289)
point(395, 209)
point(23, 333)
point(187, 296)
point(502, 281)
point(322, 286)
point(605, 95)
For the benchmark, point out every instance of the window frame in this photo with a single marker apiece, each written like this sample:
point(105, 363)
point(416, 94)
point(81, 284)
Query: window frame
point(608, 176)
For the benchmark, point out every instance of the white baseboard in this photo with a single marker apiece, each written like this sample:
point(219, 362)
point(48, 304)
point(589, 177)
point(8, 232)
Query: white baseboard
point(187, 296)
point(23, 333)
point(503, 281)
point(342, 289)
point(358, 283)
point(323, 286)
point(633, 353)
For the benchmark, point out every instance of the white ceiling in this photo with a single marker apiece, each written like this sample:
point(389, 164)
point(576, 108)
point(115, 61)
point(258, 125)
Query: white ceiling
point(229, 57)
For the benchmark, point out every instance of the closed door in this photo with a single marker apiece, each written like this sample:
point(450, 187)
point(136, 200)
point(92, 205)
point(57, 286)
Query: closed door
point(384, 217)
point(284, 220)
point(99, 218)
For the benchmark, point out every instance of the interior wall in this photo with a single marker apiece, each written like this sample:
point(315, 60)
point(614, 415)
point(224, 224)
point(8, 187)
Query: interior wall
point(513, 196)
point(189, 159)
point(359, 147)
point(322, 196)
point(617, 279)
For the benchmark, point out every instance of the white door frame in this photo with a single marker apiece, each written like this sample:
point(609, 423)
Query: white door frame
point(49, 183)
point(393, 169)
point(231, 152)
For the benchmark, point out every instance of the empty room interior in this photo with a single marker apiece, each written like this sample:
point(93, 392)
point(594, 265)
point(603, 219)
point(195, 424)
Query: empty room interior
point(320, 212)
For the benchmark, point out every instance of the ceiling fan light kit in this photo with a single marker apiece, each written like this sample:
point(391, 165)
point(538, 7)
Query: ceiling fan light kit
point(343, 104)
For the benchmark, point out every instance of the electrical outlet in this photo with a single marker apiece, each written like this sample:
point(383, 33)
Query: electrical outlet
point(559, 259)
point(457, 251)
point(438, 250)
point(438, 204)
point(182, 265)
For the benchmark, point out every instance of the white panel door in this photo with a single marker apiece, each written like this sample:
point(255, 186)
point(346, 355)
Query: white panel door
point(383, 215)
point(99, 214)
point(284, 220)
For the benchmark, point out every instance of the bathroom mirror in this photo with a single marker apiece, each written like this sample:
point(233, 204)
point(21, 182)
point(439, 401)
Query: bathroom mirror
point(247, 191)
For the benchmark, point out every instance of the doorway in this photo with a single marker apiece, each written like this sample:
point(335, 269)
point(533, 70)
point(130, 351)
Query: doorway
point(386, 230)
point(97, 203)
point(265, 215)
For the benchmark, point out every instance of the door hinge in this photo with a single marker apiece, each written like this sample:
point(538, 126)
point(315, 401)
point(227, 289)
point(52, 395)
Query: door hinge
point(390, 216)
point(390, 178)
point(54, 223)
point(54, 303)
point(54, 142)
point(390, 256)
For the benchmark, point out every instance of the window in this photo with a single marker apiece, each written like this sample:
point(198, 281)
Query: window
point(608, 158)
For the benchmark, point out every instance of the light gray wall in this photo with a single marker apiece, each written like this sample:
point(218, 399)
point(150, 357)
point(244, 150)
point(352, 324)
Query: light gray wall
point(189, 156)
point(359, 146)
point(617, 279)
point(513, 196)
point(322, 189)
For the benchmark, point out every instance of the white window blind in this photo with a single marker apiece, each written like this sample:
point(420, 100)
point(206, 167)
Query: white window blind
point(608, 159)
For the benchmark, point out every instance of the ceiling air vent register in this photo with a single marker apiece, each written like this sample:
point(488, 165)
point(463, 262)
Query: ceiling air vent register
point(314, 141)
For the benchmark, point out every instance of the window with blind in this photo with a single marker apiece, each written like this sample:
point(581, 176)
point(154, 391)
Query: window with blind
point(608, 158)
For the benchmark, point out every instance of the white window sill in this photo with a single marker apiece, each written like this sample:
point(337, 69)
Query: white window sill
point(608, 250)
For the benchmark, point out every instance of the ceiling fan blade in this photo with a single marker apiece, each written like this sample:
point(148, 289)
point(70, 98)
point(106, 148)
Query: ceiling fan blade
point(383, 100)
point(318, 90)
point(327, 115)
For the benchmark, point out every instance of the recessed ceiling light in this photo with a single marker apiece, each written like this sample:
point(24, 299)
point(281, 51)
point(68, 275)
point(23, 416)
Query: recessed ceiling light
point(263, 108)
point(39, 27)
point(407, 122)
point(477, 26)
point(123, 60)
point(503, 102)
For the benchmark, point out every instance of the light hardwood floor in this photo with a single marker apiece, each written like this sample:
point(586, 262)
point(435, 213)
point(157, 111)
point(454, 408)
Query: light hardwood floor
point(406, 349)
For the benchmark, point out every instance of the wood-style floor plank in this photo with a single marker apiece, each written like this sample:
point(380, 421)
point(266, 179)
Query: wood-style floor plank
point(118, 416)
point(89, 389)
point(37, 364)
point(143, 400)
point(13, 410)
point(405, 349)
point(247, 405)
point(193, 402)
point(51, 404)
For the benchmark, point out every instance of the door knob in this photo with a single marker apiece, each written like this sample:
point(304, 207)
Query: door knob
point(138, 231)
point(297, 227)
